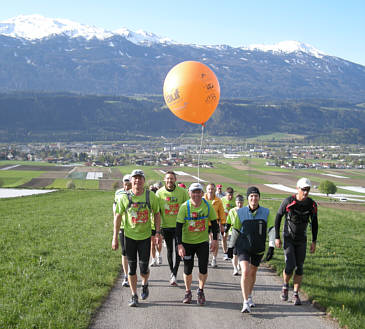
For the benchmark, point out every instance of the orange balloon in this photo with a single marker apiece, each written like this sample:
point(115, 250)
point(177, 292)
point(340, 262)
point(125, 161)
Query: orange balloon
point(191, 91)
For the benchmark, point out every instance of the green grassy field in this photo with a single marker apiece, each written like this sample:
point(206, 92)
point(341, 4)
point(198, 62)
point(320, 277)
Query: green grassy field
point(84, 184)
point(14, 178)
point(56, 258)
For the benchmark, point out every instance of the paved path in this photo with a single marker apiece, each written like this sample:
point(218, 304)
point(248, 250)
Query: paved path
point(164, 309)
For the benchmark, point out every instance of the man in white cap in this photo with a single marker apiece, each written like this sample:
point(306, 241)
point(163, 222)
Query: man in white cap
point(299, 211)
point(138, 205)
point(192, 236)
point(118, 193)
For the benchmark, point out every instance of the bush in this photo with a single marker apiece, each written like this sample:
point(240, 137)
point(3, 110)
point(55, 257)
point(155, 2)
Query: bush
point(70, 185)
point(327, 187)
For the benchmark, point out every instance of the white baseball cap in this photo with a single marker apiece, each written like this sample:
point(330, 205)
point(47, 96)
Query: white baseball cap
point(137, 172)
point(195, 186)
point(304, 182)
point(126, 178)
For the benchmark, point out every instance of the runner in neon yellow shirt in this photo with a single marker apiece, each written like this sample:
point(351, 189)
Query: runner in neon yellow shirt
point(171, 197)
point(137, 206)
point(228, 204)
point(193, 238)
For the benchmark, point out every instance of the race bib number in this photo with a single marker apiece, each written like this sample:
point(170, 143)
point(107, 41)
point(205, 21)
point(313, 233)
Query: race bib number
point(197, 225)
point(172, 209)
point(139, 217)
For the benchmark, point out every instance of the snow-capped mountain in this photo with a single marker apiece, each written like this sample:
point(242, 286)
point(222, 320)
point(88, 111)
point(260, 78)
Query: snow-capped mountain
point(43, 54)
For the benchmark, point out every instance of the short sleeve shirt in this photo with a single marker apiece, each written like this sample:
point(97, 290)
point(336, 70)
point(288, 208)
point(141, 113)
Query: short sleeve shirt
point(170, 202)
point(137, 224)
point(196, 222)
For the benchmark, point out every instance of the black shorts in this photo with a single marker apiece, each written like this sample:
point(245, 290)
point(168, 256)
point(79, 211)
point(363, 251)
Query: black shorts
point(140, 247)
point(122, 241)
point(254, 259)
point(202, 252)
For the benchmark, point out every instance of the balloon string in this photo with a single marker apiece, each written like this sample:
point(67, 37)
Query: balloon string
point(200, 151)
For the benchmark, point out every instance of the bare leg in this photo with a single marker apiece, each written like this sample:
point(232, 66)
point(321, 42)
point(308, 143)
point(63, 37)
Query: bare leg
point(202, 280)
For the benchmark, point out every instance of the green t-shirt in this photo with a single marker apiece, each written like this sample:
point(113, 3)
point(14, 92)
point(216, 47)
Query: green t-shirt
point(196, 224)
point(137, 223)
point(170, 202)
point(228, 205)
point(232, 218)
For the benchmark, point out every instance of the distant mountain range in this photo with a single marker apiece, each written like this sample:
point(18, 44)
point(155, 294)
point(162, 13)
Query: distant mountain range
point(53, 55)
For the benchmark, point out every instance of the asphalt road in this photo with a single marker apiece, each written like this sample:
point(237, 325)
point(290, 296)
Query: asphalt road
point(164, 307)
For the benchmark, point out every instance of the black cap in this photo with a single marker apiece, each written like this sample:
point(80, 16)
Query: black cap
point(251, 190)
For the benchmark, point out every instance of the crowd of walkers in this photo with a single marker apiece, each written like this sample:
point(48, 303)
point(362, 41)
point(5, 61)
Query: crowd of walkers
point(190, 222)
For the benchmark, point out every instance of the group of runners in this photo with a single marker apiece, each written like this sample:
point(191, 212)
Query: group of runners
point(191, 222)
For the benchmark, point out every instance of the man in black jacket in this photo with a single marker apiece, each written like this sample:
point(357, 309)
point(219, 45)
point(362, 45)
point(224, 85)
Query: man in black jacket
point(299, 211)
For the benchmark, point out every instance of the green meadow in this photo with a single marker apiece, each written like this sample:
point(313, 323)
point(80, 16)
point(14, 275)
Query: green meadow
point(57, 266)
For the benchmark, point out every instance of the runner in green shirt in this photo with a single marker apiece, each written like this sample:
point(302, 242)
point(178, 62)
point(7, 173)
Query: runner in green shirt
point(228, 204)
point(137, 206)
point(193, 238)
point(118, 193)
point(171, 197)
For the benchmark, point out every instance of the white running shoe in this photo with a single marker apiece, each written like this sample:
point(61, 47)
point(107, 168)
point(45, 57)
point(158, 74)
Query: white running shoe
point(214, 263)
point(173, 280)
point(235, 272)
point(153, 262)
point(159, 260)
point(250, 302)
point(246, 308)
point(225, 257)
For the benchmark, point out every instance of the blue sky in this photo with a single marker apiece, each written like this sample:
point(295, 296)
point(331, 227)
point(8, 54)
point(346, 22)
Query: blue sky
point(332, 26)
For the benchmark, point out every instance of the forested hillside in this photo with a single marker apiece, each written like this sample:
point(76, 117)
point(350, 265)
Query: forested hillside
point(26, 117)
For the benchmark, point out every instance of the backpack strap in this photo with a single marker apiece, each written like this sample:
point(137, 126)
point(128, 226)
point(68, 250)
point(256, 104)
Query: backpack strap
point(148, 203)
point(189, 217)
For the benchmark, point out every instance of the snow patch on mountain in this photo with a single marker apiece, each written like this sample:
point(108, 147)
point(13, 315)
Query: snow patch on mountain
point(287, 47)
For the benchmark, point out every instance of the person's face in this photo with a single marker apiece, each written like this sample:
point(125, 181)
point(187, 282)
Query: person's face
point(239, 204)
point(196, 196)
point(229, 196)
point(127, 185)
point(253, 200)
point(210, 190)
point(170, 181)
point(219, 189)
point(137, 182)
point(303, 192)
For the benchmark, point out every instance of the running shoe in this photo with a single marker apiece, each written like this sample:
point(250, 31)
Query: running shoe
point(188, 297)
point(284, 294)
point(145, 292)
point(201, 296)
point(153, 262)
point(214, 263)
point(225, 257)
point(296, 300)
point(173, 280)
point(133, 301)
point(250, 302)
point(246, 308)
point(235, 272)
point(125, 282)
point(159, 260)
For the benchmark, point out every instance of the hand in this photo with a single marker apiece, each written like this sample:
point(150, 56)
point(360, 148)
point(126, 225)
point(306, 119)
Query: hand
point(214, 245)
point(230, 253)
point(270, 253)
point(115, 243)
point(277, 243)
point(181, 251)
point(313, 248)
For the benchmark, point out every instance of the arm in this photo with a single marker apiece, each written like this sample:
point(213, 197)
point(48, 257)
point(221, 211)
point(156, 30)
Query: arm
point(181, 249)
point(117, 221)
point(279, 215)
point(314, 226)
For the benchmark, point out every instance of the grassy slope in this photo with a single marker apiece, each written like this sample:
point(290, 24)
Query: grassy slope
point(56, 260)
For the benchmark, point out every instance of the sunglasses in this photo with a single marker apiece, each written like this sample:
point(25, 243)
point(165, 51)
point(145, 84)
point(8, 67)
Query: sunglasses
point(305, 189)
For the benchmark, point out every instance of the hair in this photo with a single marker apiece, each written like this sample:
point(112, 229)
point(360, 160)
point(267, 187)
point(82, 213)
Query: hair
point(170, 172)
point(230, 190)
point(211, 184)
point(239, 197)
